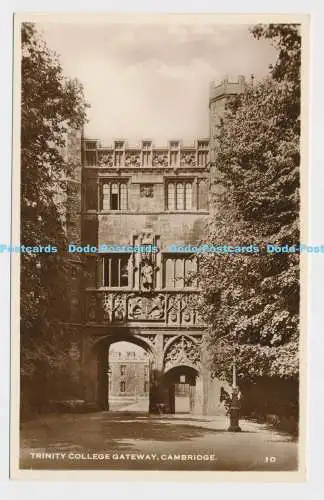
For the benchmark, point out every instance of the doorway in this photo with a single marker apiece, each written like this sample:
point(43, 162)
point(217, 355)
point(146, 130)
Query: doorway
point(180, 383)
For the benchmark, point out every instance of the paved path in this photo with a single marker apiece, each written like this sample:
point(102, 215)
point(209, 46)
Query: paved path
point(137, 441)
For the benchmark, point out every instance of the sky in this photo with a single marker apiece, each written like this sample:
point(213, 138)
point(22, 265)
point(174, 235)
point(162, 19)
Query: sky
point(152, 80)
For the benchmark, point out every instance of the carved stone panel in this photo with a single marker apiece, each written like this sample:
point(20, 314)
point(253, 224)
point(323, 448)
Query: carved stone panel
point(166, 339)
point(188, 158)
point(114, 307)
point(143, 308)
point(149, 339)
point(92, 309)
point(105, 159)
point(173, 309)
point(186, 311)
point(160, 159)
point(119, 307)
point(182, 351)
point(146, 190)
point(133, 159)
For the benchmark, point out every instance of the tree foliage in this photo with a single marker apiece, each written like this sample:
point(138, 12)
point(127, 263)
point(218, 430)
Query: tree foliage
point(51, 105)
point(252, 300)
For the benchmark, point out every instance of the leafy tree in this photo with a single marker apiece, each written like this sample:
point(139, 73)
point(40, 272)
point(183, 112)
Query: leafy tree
point(51, 106)
point(252, 300)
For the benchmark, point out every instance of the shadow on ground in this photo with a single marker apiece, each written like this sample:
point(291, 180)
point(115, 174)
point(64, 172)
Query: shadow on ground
point(118, 433)
point(107, 430)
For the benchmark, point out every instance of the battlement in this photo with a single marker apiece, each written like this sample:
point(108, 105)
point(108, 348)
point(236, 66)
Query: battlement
point(226, 88)
point(146, 154)
point(144, 144)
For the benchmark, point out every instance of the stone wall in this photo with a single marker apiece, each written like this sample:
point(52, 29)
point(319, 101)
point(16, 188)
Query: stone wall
point(172, 228)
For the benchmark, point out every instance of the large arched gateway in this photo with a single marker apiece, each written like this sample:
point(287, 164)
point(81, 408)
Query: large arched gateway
point(178, 378)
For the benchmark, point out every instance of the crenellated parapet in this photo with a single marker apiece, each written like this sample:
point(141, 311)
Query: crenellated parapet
point(226, 88)
point(145, 155)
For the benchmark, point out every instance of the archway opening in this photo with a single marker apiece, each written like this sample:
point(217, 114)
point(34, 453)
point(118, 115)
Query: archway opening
point(181, 384)
point(128, 377)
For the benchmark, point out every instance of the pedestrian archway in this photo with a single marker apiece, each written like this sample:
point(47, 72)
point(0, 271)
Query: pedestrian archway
point(180, 383)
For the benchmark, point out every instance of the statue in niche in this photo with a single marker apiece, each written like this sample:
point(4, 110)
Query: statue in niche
point(147, 274)
point(156, 310)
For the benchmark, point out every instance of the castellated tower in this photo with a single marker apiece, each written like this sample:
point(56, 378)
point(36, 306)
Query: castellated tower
point(218, 98)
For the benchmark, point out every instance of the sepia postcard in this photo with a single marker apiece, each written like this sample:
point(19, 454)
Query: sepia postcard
point(159, 247)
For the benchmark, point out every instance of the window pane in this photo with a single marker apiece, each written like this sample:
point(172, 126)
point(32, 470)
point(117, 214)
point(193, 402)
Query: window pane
point(180, 196)
point(114, 196)
point(188, 196)
point(123, 197)
point(116, 270)
point(179, 273)
point(114, 201)
point(169, 273)
point(105, 197)
point(114, 280)
point(203, 195)
point(106, 273)
point(124, 270)
point(190, 271)
point(171, 193)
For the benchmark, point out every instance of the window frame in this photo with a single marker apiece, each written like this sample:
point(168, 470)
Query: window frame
point(176, 257)
point(122, 200)
point(179, 195)
point(118, 256)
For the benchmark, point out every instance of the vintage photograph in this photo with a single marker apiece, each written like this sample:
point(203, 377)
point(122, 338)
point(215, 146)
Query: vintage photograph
point(159, 243)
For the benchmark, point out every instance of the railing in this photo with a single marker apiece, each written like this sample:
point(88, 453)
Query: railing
point(126, 306)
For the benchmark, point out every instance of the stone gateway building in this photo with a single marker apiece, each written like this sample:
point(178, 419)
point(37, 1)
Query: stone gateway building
point(154, 196)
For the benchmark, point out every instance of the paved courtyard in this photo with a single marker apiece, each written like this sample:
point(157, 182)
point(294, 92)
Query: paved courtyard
point(137, 441)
